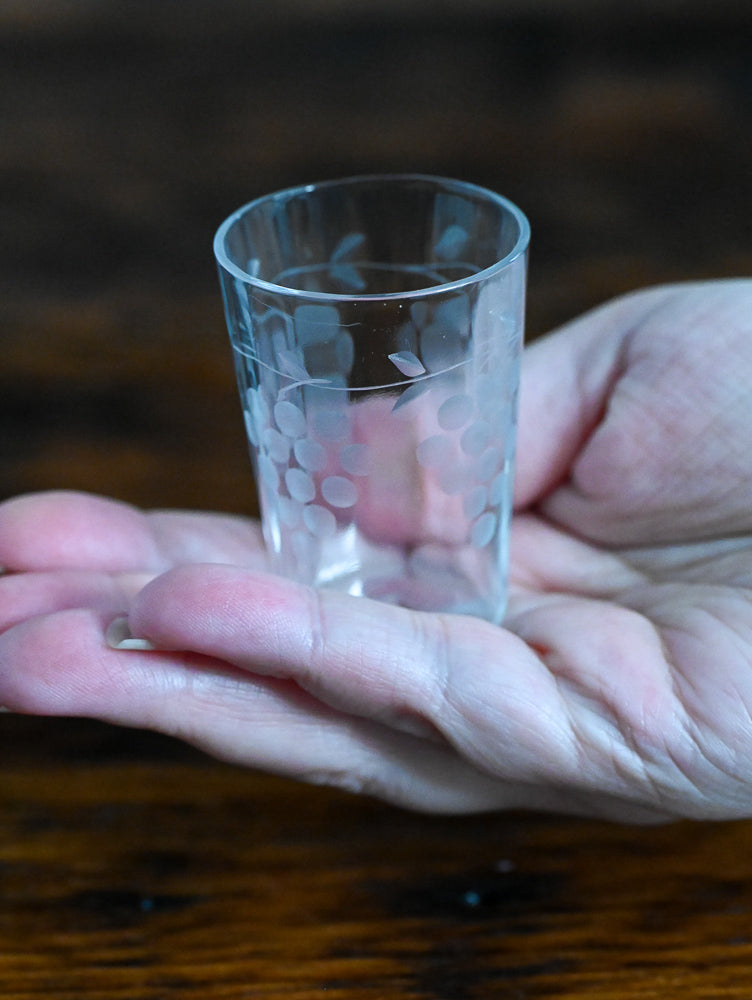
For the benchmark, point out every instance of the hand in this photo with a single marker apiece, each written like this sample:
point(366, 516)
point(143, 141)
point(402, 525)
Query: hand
point(621, 685)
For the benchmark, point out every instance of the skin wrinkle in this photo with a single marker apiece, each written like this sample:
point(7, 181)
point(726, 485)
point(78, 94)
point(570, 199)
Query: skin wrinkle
point(416, 704)
point(606, 576)
point(663, 332)
point(578, 700)
point(593, 476)
point(679, 721)
point(396, 710)
point(397, 767)
point(741, 736)
point(576, 696)
point(450, 715)
point(611, 709)
point(315, 628)
point(319, 646)
point(703, 807)
point(616, 369)
point(239, 692)
point(664, 793)
point(354, 776)
point(725, 561)
point(519, 731)
point(692, 730)
point(435, 704)
point(583, 426)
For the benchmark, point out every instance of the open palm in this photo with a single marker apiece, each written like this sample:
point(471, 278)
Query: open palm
point(621, 684)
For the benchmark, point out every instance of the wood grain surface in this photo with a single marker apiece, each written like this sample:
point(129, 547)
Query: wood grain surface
point(131, 867)
point(131, 870)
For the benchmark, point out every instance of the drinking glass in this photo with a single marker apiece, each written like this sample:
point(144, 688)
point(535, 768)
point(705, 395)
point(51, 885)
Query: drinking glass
point(376, 325)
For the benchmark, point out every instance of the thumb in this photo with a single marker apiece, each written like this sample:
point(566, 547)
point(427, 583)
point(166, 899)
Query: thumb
point(635, 419)
point(566, 380)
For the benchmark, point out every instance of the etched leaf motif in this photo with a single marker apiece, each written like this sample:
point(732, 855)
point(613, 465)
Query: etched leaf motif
point(407, 363)
point(411, 393)
point(291, 365)
point(347, 245)
point(451, 243)
point(348, 277)
point(245, 311)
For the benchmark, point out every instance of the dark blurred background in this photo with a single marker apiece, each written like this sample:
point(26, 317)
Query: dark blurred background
point(129, 130)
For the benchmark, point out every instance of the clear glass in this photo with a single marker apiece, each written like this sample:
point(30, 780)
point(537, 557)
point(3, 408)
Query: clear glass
point(377, 325)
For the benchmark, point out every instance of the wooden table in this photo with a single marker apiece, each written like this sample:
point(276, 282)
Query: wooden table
point(131, 867)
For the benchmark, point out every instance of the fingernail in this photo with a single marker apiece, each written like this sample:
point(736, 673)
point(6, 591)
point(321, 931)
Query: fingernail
point(4, 709)
point(118, 636)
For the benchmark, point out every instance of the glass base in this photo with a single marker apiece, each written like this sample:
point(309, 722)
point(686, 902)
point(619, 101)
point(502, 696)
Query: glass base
point(428, 577)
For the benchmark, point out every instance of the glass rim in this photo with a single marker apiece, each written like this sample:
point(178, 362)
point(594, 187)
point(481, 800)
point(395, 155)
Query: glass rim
point(447, 183)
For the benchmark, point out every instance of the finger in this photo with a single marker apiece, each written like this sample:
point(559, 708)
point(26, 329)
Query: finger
point(565, 382)
point(276, 628)
point(724, 561)
point(28, 595)
point(450, 678)
point(71, 530)
point(543, 558)
point(547, 710)
point(60, 665)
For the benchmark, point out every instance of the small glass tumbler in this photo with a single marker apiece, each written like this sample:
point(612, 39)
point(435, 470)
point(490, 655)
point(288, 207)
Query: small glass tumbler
point(377, 326)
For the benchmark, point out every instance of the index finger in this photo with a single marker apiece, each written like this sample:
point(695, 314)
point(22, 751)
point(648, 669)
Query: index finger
point(69, 530)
